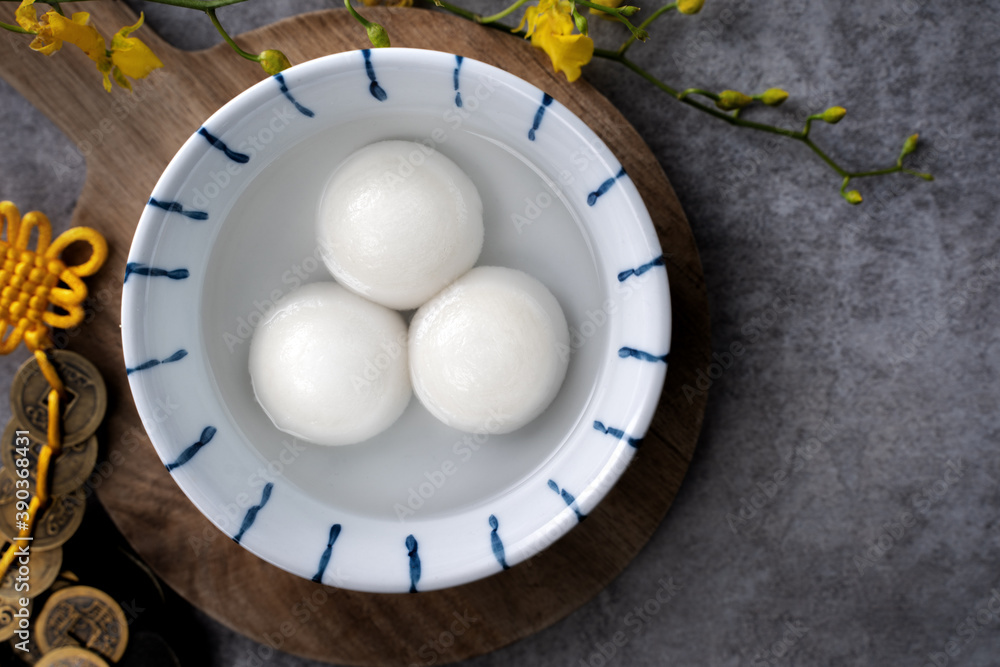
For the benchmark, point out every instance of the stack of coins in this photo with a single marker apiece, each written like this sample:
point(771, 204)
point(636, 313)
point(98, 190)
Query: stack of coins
point(75, 625)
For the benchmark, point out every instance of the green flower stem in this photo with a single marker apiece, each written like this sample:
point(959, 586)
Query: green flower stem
point(466, 14)
point(358, 17)
point(678, 95)
point(802, 136)
point(919, 174)
point(826, 158)
point(637, 33)
point(203, 5)
point(645, 24)
point(225, 36)
point(697, 91)
point(501, 14)
point(15, 28)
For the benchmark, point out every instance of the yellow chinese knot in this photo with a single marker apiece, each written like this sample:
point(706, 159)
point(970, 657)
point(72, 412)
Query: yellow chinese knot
point(30, 282)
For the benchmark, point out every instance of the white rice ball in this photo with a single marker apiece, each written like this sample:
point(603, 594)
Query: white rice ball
point(330, 367)
point(489, 353)
point(398, 222)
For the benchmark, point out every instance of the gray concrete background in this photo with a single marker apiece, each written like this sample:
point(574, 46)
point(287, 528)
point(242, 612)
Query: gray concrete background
point(878, 379)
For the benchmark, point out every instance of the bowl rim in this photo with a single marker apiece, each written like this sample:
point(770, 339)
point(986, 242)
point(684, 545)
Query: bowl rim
point(440, 551)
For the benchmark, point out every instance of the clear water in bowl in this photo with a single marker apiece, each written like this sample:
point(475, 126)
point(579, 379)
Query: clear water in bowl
point(419, 468)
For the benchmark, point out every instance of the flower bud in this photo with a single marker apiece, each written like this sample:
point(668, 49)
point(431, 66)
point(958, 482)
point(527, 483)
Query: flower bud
point(834, 115)
point(773, 97)
point(732, 99)
point(273, 61)
point(377, 35)
point(853, 197)
point(909, 146)
point(628, 10)
point(580, 21)
point(690, 6)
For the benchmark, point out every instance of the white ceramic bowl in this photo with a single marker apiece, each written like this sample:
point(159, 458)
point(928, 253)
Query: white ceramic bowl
point(229, 229)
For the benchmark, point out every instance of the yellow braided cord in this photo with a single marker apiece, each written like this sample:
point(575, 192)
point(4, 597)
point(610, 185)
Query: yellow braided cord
point(29, 283)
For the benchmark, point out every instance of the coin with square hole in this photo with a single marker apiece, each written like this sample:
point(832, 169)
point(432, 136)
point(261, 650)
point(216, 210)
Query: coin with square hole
point(84, 406)
point(53, 526)
point(83, 617)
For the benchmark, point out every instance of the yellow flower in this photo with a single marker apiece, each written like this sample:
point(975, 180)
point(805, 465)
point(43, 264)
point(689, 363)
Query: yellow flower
point(550, 27)
point(130, 57)
point(127, 57)
point(27, 18)
point(76, 31)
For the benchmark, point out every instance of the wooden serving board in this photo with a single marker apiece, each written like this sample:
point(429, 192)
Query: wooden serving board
point(128, 140)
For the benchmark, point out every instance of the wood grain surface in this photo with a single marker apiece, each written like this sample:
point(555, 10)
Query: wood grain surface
point(128, 140)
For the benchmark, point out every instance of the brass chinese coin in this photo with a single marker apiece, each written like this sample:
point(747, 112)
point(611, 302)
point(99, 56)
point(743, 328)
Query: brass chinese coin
point(81, 616)
point(8, 618)
point(71, 656)
point(68, 470)
point(84, 406)
point(53, 526)
point(42, 568)
point(7, 487)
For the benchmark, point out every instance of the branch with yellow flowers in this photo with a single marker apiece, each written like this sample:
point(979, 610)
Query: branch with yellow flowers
point(550, 24)
point(556, 26)
point(126, 57)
